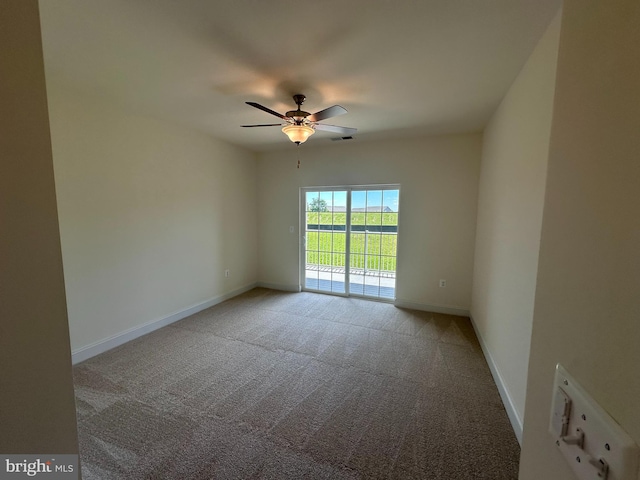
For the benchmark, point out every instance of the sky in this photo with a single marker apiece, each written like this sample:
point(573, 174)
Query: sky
point(359, 198)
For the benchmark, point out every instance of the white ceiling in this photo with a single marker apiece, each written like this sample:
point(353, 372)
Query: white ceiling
point(400, 67)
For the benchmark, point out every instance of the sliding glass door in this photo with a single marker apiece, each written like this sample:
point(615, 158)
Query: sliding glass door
point(374, 241)
point(350, 240)
point(325, 241)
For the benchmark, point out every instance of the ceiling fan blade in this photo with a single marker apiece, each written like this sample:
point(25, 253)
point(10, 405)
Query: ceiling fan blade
point(327, 113)
point(265, 109)
point(346, 131)
point(263, 125)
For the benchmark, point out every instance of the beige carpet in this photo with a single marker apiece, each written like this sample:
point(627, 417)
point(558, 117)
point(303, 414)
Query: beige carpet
point(273, 385)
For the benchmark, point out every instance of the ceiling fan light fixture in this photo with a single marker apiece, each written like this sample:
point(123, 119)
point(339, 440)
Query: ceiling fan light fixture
point(298, 133)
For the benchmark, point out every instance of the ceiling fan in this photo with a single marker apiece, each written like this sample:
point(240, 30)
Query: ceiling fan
point(299, 125)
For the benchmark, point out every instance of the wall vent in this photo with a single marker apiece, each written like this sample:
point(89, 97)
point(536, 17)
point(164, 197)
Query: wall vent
point(337, 139)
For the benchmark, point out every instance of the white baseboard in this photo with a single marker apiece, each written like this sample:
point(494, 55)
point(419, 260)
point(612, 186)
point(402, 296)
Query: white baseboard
point(449, 310)
point(277, 286)
point(84, 353)
point(514, 418)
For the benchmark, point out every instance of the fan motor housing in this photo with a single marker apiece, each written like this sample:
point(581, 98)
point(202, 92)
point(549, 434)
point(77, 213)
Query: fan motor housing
point(297, 114)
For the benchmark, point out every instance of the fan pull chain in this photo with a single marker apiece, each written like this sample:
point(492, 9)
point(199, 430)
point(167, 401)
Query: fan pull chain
point(298, 154)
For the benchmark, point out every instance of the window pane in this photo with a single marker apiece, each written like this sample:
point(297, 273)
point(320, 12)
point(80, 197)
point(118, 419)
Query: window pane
point(337, 282)
point(311, 279)
point(389, 244)
point(372, 262)
point(371, 285)
point(357, 261)
point(390, 200)
point(324, 241)
point(373, 243)
point(338, 260)
point(358, 200)
point(340, 218)
point(374, 199)
point(356, 284)
point(312, 258)
point(390, 219)
point(324, 259)
point(357, 243)
point(312, 240)
point(339, 240)
point(373, 218)
point(387, 264)
point(312, 219)
point(326, 201)
point(312, 200)
point(340, 201)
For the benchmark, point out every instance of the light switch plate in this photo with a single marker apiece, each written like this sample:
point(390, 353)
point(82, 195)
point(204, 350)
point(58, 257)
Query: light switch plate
point(603, 437)
point(561, 413)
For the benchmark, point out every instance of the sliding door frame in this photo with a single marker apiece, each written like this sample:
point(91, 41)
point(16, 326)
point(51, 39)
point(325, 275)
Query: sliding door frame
point(303, 233)
point(302, 237)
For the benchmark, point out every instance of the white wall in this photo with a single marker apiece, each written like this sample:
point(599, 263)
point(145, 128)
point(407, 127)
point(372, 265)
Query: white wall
point(37, 408)
point(587, 305)
point(439, 181)
point(512, 181)
point(150, 216)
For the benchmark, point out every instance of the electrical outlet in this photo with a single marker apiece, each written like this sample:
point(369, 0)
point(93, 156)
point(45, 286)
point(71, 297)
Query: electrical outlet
point(291, 229)
point(443, 283)
point(226, 273)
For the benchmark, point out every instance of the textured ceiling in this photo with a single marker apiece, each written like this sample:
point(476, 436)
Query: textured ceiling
point(401, 67)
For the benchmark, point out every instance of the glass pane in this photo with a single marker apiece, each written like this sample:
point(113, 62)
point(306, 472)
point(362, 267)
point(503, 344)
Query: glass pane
point(358, 200)
point(339, 242)
point(371, 285)
point(357, 243)
point(390, 219)
point(340, 202)
point(389, 244)
point(312, 220)
point(387, 291)
point(373, 218)
point(340, 221)
point(357, 262)
point(312, 201)
point(337, 260)
point(356, 284)
point(357, 218)
point(324, 241)
point(374, 199)
point(325, 202)
point(372, 241)
point(311, 279)
point(312, 258)
point(388, 264)
point(324, 259)
point(390, 200)
point(371, 263)
point(312, 240)
point(337, 282)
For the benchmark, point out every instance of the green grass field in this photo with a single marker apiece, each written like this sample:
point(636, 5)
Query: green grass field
point(329, 248)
